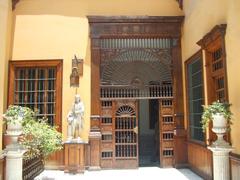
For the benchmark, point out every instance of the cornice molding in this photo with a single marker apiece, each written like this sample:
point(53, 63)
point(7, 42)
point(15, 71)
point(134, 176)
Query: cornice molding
point(216, 32)
point(109, 26)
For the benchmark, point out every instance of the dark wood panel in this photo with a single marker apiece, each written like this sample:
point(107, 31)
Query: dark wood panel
point(235, 166)
point(200, 160)
point(74, 158)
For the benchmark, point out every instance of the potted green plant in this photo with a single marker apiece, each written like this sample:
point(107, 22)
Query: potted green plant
point(220, 115)
point(15, 117)
point(37, 136)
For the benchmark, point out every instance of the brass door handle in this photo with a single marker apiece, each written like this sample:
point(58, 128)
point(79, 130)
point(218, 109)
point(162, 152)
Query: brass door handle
point(135, 129)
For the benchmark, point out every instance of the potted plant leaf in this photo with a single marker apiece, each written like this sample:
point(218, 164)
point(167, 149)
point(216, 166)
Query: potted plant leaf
point(220, 115)
point(40, 139)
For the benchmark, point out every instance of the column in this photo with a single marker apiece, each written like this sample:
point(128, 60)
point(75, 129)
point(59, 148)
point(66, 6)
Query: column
point(14, 164)
point(221, 169)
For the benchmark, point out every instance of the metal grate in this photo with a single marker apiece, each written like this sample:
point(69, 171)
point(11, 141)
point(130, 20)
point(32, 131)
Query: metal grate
point(32, 168)
point(36, 89)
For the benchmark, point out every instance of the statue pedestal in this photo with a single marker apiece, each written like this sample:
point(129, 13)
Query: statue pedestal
point(74, 153)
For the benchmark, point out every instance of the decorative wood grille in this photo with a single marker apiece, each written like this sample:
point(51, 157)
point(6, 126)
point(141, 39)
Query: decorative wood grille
point(218, 74)
point(106, 137)
point(36, 88)
point(167, 119)
point(131, 92)
point(125, 137)
point(146, 43)
point(168, 135)
point(167, 102)
point(106, 120)
point(168, 152)
point(136, 68)
point(107, 154)
point(107, 104)
point(217, 60)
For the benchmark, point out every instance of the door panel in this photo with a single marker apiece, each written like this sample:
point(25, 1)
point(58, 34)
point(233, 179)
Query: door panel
point(119, 145)
point(166, 132)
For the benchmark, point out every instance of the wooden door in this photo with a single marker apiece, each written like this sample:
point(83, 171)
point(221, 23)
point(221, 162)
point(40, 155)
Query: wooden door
point(119, 128)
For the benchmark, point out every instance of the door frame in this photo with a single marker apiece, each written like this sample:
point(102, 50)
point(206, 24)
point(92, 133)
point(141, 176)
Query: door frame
point(138, 27)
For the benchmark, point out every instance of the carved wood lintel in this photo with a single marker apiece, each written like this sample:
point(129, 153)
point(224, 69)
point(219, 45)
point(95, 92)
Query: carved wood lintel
point(137, 26)
point(217, 31)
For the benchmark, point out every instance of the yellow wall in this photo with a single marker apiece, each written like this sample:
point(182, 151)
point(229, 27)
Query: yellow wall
point(200, 18)
point(59, 29)
point(5, 39)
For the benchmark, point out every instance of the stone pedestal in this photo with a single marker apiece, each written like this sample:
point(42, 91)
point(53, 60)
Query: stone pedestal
point(14, 164)
point(221, 170)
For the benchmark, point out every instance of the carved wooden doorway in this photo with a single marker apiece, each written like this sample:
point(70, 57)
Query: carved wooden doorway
point(131, 59)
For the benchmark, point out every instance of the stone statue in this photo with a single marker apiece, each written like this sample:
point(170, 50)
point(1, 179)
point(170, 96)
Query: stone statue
point(75, 119)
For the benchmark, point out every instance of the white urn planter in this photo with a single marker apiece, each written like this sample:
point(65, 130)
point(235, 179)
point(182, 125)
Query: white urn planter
point(14, 128)
point(220, 128)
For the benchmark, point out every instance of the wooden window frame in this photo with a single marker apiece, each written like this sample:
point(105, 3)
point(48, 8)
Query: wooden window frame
point(198, 54)
point(212, 41)
point(39, 64)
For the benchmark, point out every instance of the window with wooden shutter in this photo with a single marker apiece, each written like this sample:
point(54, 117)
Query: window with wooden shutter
point(215, 56)
point(37, 85)
point(214, 45)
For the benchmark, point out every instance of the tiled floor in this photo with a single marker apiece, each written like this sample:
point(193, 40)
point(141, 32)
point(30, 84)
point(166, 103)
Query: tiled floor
point(141, 173)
